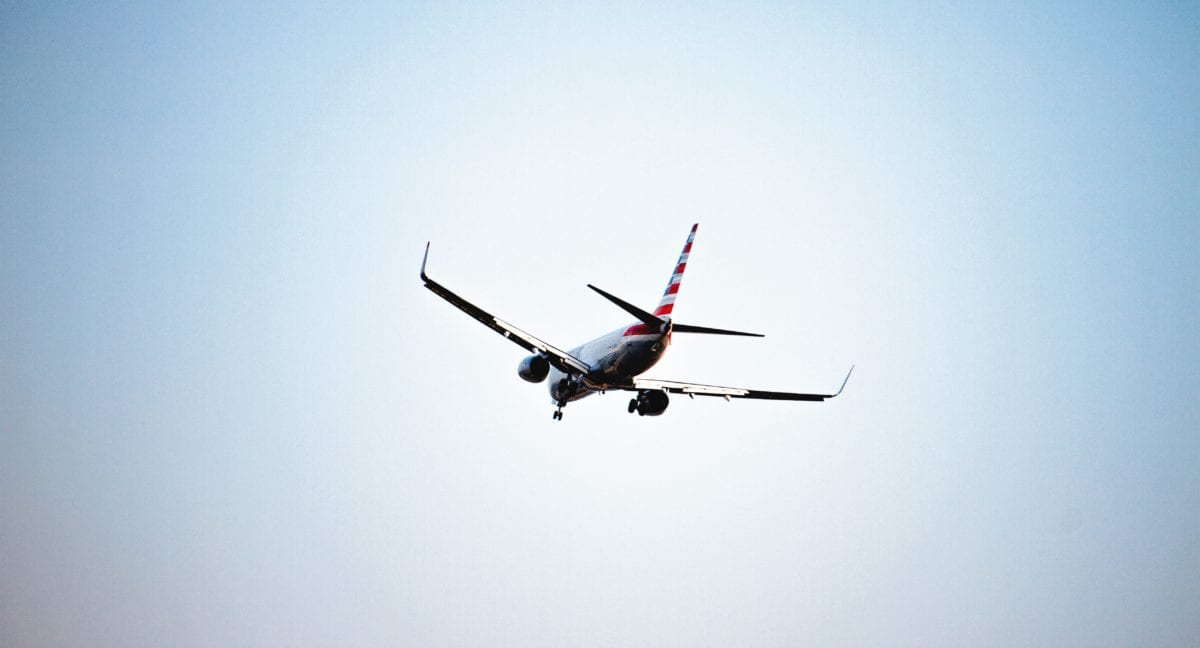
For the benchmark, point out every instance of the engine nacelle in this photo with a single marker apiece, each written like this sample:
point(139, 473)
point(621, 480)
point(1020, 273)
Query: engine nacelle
point(652, 402)
point(533, 369)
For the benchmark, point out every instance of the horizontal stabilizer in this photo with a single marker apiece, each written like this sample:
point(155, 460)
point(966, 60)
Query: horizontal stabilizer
point(647, 318)
point(688, 328)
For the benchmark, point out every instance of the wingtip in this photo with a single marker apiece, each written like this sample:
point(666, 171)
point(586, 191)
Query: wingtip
point(424, 259)
point(846, 380)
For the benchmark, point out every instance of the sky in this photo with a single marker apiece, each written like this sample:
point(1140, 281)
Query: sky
point(230, 414)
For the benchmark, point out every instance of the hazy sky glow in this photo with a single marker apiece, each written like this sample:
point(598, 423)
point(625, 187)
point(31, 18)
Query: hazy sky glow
point(230, 414)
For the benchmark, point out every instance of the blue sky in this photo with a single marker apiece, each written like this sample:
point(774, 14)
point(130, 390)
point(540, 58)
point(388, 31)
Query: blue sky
point(230, 414)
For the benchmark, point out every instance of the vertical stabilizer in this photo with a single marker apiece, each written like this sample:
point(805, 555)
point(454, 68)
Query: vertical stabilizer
point(668, 299)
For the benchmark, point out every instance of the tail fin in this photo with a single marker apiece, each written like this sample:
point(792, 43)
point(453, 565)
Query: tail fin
point(668, 299)
point(656, 321)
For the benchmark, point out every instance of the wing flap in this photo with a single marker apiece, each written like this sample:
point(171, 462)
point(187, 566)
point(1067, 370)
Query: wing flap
point(561, 360)
point(567, 363)
point(696, 389)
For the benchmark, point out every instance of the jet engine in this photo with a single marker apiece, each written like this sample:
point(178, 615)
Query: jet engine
point(533, 369)
point(649, 402)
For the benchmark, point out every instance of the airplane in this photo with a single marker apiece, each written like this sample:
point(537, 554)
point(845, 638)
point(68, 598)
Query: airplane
point(616, 360)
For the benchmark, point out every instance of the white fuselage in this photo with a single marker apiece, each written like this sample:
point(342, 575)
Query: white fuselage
point(616, 357)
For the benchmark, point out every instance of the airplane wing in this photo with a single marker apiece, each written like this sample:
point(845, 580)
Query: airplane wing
point(693, 389)
point(561, 360)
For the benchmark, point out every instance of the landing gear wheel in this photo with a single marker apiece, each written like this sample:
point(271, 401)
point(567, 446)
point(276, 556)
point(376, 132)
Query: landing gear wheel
point(557, 416)
point(632, 405)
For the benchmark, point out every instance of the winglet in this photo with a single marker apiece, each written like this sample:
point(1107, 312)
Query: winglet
point(423, 260)
point(839, 391)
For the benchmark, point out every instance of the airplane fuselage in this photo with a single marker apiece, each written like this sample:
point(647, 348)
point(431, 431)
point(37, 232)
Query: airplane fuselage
point(616, 357)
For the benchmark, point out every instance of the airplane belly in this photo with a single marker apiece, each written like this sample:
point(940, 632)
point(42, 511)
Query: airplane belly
point(615, 361)
point(560, 391)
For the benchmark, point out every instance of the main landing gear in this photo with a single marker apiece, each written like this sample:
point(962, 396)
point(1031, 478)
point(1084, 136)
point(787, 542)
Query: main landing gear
point(566, 387)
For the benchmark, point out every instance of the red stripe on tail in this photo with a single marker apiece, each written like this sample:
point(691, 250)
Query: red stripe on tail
point(665, 306)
